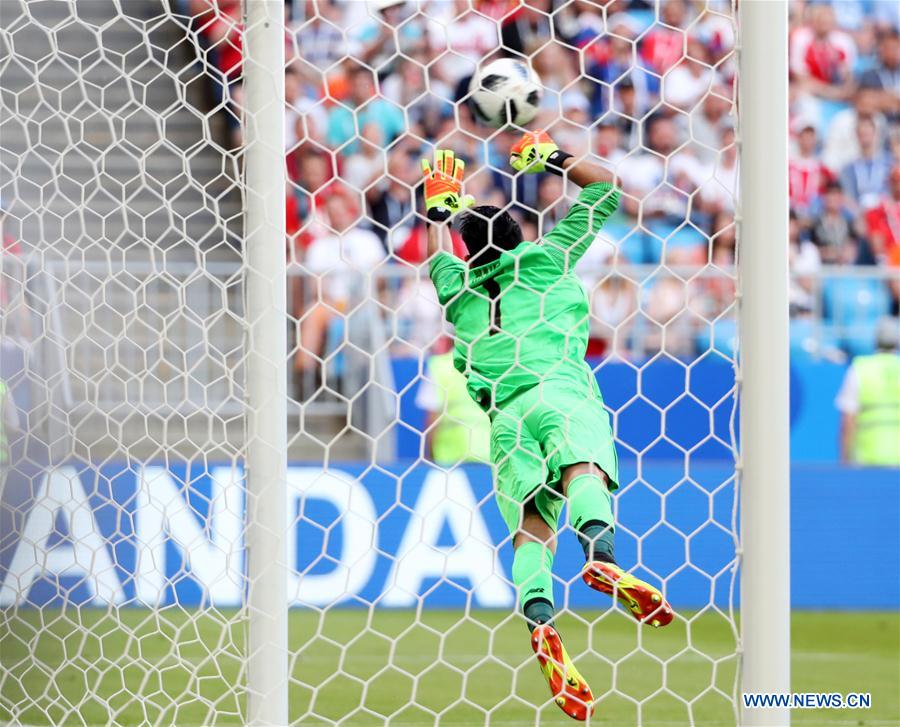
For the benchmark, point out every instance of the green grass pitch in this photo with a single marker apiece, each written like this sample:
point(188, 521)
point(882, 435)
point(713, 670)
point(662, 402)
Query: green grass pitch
point(354, 667)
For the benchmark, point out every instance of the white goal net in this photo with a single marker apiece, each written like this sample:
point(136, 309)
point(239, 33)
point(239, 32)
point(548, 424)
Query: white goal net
point(125, 513)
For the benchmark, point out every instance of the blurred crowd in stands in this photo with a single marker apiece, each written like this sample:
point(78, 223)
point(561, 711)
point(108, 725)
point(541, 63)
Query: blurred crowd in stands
point(649, 89)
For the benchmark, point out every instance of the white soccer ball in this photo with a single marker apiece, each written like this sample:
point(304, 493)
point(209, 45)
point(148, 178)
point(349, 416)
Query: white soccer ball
point(505, 91)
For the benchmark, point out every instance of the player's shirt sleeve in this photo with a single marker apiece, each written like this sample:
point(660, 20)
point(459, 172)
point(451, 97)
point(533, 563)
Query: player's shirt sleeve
point(567, 242)
point(448, 273)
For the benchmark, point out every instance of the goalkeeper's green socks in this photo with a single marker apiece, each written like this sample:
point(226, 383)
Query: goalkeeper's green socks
point(590, 513)
point(531, 572)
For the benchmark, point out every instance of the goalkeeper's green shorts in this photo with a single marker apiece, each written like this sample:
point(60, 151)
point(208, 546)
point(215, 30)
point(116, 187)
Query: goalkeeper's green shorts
point(539, 433)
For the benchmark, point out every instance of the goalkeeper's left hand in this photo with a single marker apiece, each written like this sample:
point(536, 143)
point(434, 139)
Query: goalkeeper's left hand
point(534, 151)
point(443, 187)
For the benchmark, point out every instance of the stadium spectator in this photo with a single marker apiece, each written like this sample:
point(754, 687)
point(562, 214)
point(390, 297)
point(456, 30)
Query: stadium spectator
point(869, 403)
point(572, 129)
point(833, 230)
point(893, 281)
point(883, 220)
point(360, 170)
point(822, 56)
point(461, 38)
point(390, 31)
point(659, 182)
point(666, 323)
point(723, 239)
point(391, 202)
point(426, 100)
point(295, 109)
point(219, 22)
point(220, 35)
point(342, 261)
point(608, 143)
point(705, 124)
point(720, 186)
point(663, 46)
point(525, 27)
point(456, 429)
point(366, 107)
point(865, 179)
point(679, 170)
point(807, 175)
point(716, 30)
point(884, 76)
point(626, 113)
point(691, 79)
point(613, 306)
point(314, 173)
point(841, 142)
point(318, 38)
point(611, 62)
point(558, 70)
point(805, 265)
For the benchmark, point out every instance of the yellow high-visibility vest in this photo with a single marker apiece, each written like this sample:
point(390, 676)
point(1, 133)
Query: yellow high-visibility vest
point(878, 422)
point(463, 431)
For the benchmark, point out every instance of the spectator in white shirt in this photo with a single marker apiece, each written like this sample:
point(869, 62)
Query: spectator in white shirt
point(720, 189)
point(805, 264)
point(461, 38)
point(690, 80)
point(658, 185)
point(842, 144)
point(704, 125)
point(340, 265)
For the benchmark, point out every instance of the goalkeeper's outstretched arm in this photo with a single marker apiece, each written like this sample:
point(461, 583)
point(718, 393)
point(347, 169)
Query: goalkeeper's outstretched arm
point(443, 198)
point(570, 238)
point(537, 152)
point(583, 172)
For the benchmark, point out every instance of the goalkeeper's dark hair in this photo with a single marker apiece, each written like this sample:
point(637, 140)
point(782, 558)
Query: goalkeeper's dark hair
point(487, 231)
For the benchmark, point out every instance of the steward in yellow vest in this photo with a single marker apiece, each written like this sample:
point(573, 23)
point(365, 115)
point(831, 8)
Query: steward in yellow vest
point(460, 430)
point(869, 402)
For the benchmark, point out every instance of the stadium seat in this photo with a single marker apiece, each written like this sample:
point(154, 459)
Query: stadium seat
point(853, 306)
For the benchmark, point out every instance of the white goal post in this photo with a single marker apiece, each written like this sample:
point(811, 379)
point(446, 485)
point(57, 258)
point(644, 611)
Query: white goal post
point(266, 281)
point(764, 457)
point(193, 530)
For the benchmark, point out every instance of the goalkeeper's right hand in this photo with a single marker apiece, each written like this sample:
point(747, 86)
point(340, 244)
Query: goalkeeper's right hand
point(534, 152)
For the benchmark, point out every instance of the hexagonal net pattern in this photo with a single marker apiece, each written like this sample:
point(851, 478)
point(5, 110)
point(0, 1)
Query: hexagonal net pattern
point(123, 506)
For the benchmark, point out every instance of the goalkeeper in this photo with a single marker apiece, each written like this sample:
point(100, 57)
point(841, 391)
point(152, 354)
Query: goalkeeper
point(521, 321)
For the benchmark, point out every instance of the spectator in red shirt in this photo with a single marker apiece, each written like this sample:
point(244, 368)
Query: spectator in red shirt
point(663, 47)
point(807, 175)
point(822, 57)
point(883, 221)
point(221, 26)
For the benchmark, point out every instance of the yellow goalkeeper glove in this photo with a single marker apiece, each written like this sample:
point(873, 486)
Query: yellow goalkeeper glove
point(537, 152)
point(443, 186)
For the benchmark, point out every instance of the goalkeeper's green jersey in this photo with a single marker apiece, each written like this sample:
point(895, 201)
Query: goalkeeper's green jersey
point(523, 318)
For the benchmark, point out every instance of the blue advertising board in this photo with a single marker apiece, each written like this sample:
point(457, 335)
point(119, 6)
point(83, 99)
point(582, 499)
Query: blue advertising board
point(410, 534)
point(667, 407)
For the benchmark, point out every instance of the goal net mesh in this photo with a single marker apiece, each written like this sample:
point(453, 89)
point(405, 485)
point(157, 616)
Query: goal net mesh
point(123, 515)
